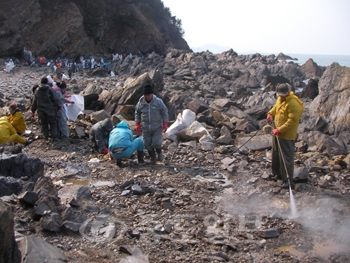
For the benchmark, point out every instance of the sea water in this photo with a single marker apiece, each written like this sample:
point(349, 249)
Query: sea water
point(321, 60)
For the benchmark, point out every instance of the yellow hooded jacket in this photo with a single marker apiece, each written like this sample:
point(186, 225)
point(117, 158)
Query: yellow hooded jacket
point(8, 133)
point(287, 115)
point(18, 122)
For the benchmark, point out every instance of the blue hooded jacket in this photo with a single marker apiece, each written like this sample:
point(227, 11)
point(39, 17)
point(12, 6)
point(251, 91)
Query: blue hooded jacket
point(121, 136)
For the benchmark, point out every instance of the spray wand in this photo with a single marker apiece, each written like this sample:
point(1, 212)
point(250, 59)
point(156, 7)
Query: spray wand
point(268, 130)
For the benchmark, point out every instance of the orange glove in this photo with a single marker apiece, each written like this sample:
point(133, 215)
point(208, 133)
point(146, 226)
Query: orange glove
point(275, 131)
point(105, 150)
point(138, 127)
point(165, 126)
point(269, 118)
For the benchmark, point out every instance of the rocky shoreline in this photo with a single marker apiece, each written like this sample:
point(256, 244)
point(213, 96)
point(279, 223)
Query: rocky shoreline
point(210, 200)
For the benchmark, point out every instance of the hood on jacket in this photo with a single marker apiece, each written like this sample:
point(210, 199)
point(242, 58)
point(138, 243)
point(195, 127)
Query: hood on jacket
point(44, 87)
point(123, 124)
point(4, 119)
point(107, 124)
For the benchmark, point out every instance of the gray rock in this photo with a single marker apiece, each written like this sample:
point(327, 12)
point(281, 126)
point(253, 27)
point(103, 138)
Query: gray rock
point(255, 143)
point(332, 103)
point(10, 185)
point(269, 233)
point(28, 198)
point(8, 248)
point(99, 116)
point(46, 203)
point(301, 173)
point(34, 250)
point(51, 221)
point(71, 227)
point(137, 190)
point(73, 202)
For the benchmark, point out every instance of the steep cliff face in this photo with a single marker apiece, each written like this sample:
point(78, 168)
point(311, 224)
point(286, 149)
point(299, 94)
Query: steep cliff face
point(72, 28)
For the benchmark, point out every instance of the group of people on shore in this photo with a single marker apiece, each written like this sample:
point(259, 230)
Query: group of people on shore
point(49, 103)
point(73, 65)
point(151, 118)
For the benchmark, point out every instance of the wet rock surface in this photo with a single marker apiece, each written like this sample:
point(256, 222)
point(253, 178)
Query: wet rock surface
point(201, 204)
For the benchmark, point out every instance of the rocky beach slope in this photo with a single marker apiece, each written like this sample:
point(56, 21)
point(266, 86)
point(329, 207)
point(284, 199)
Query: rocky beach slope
point(213, 198)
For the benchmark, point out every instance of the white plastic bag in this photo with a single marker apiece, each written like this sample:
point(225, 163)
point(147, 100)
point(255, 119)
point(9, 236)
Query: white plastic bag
point(175, 127)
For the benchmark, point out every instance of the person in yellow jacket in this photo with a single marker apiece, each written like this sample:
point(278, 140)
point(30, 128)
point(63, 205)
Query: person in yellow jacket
point(286, 115)
point(16, 119)
point(9, 134)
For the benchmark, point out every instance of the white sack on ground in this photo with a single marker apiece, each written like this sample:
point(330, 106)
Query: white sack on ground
point(183, 120)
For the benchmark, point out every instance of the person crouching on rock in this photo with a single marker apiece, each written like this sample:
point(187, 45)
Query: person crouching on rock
point(99, 135)
point(122, 144)
point(9, 134)
point(16, 119)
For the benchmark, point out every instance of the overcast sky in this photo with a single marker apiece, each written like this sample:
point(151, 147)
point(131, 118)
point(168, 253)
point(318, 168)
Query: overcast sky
point(267, 26)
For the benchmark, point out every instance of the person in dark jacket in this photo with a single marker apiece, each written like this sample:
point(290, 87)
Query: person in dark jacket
point(99, 135)
point(122, 144)
point(47, 105)
point(152, 115)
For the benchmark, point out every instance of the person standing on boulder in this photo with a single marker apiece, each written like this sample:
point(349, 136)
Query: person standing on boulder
point(152, 115)
point(286, 115)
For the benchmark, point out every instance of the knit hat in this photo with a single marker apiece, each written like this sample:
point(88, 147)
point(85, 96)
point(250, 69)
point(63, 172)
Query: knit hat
point(147, 89)
point(283, 89)
point(12, 106)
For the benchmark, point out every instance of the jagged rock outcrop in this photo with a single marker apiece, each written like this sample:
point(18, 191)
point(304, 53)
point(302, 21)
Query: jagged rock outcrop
point(311, 69)
point(332, 103)
point(8, 248)
point(311, 89)
point(74, 27)
point(282, 56)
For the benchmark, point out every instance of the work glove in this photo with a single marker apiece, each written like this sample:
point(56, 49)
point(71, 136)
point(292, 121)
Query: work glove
point(165, 126)
point(269, 118)
point(70, 102)
point(138, 127)
point(33, 114)
point(275, 131)
point(105, 150)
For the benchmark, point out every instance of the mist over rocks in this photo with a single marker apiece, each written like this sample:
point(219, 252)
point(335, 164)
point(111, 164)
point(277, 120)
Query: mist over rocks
point(195, 204)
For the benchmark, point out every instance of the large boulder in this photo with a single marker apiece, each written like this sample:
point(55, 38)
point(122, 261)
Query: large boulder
point(8, 246)
point(333, 102)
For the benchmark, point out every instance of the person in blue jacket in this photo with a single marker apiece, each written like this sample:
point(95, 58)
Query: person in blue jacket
point(121, 143)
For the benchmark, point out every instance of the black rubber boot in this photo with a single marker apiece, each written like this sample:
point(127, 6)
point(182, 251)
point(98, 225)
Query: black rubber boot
point(140, 156)
point(152, 155)
point(160, 154)
point(119, 162)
